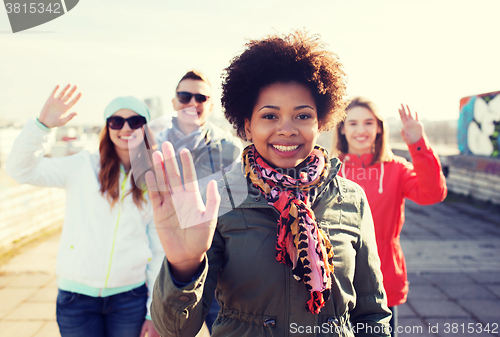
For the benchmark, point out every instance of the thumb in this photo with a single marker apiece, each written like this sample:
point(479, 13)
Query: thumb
point(68, 118)
point(403, 135)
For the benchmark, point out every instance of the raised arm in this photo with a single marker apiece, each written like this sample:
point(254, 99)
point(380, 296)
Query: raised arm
point(26, 162)
point(423, 181)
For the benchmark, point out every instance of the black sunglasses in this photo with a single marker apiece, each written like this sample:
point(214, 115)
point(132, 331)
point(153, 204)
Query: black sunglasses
point(117, 122)
point(185, 97)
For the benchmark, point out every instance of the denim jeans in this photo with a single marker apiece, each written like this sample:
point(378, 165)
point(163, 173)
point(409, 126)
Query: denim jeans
point(120, 315)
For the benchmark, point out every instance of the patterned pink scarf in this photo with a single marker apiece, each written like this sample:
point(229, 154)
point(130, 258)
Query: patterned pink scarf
point(300, 243)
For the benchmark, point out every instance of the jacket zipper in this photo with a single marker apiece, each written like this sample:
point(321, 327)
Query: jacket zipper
point(116, 230)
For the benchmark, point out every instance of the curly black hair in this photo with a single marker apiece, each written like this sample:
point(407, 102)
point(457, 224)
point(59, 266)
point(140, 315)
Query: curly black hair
point(296, 57)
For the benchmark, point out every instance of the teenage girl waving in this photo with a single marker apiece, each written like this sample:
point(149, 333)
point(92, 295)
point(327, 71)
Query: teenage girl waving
point(362, 145)
point(109, 253)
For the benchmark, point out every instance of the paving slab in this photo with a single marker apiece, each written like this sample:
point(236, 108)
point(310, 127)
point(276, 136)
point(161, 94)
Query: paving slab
point(405, 311)
point(482, 308)
point(30, 280)
point(425, 292)
point(20, 329)
point(33, 311)
point(46, 294)
point(458, 292)
point(437, 309)
point(12, 298)
point(49, 329)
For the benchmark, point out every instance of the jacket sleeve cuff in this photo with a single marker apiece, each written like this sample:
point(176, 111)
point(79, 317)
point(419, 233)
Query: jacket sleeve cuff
point(178, 310)
point(41, 125)
point(421, 146)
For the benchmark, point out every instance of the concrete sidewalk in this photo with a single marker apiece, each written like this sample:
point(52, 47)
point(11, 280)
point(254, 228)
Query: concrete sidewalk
point(452, 252)
point(453, 258)
point(28, 291)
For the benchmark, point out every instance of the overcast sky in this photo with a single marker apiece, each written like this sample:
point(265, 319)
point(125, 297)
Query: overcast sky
point(427, 54)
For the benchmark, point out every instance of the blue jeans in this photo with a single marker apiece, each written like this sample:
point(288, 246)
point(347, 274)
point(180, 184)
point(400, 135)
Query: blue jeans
point(120, 315)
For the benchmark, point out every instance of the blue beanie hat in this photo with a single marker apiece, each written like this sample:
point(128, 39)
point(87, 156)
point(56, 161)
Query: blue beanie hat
point(128, 102)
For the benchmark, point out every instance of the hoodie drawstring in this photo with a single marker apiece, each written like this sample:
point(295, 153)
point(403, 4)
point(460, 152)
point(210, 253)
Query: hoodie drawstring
point(381, 179)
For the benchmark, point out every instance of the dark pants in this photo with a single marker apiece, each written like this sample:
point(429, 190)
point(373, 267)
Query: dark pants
point(394, 321)
point(120, 315)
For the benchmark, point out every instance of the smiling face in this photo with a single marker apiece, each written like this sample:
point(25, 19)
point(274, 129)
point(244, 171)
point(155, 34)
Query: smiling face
point(284, 125)
point(188, 119)
point(360, 129)
point(124, 138)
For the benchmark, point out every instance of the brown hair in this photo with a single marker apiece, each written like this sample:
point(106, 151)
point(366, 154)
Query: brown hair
point(194, 75)
point(109, 174)
point(296, 57)
point(381, 149)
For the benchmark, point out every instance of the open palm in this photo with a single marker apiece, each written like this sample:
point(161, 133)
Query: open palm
point(184, 224)
point(54, 112)
point(412, 129)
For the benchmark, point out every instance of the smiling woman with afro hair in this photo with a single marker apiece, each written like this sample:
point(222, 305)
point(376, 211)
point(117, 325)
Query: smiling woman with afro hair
point(285, 244)
point(297, 57)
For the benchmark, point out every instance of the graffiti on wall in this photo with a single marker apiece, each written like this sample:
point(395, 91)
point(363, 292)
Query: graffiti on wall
point(479, 125)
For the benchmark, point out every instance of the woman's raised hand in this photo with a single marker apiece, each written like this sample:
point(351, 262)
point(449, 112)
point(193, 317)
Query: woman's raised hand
point(54, 112)
point(184, 224)
point(412, 129)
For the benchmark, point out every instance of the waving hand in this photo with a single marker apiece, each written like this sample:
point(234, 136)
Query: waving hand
point(412, 129)
point(184, 223)
point(54, 112)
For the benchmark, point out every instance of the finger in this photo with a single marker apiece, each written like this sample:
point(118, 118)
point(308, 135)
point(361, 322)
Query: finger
point(402, 113)
point(61, 94)
point(171, 167)
point(68, 118)
point(416, 116)
point(160, 173)
point(53, 94)
point(74, 100)
point(154, 195)
point(68, 94)
point(409, 112)
point(188, 171)
point(213, 201)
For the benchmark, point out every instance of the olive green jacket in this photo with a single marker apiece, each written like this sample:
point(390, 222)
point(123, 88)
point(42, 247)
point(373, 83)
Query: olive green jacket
point(259, 296)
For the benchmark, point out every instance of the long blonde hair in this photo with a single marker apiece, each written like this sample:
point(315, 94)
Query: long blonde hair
point(381, 150)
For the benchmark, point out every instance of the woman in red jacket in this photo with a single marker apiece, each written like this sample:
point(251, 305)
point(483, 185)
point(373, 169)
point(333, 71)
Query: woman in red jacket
point(362, 144)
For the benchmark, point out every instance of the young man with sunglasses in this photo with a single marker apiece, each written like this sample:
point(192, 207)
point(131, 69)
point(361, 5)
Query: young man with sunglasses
point(214, 150)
